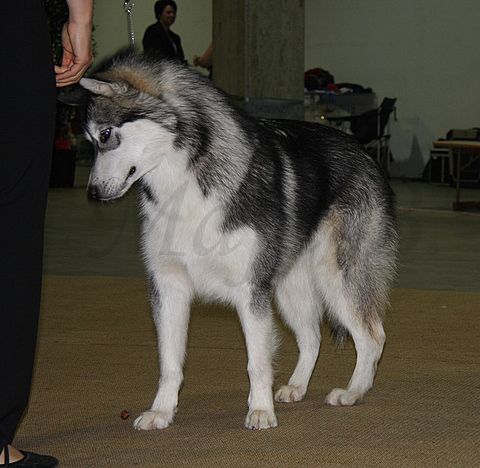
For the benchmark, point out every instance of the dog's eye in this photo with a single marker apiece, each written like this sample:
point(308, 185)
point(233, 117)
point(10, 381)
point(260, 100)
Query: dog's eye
point(105, 135)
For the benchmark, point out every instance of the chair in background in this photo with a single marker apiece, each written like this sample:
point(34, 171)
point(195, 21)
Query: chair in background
point(369, 129)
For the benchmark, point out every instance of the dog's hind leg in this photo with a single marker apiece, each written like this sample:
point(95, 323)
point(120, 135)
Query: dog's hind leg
point(301, 310)
point(369, 337)
point(354, 264)
point(171, 298)
point(257, 322)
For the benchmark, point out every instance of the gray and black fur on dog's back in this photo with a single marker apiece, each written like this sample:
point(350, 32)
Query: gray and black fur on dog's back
point(311, 209)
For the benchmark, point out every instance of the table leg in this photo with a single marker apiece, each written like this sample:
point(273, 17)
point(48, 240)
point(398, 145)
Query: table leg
point(458, 157)
point(459, 171)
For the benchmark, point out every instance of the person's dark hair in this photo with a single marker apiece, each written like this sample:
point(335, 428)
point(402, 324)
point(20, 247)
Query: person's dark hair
point(160, 6)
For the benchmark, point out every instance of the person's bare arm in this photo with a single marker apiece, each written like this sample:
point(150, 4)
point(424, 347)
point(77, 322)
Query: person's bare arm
point(206, 59)
point(76, 42)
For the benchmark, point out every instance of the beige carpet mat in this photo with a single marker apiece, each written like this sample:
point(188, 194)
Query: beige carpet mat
point(97, 357)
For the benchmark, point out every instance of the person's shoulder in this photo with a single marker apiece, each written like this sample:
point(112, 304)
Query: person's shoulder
point(153, 33)
point(152, 27)
point(156, 28)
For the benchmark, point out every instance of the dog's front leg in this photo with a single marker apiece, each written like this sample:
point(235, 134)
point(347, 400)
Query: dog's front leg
point(171, 300)
point(257, 323)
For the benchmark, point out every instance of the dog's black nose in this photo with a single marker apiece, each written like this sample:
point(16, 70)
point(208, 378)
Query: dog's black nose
point(92, 192)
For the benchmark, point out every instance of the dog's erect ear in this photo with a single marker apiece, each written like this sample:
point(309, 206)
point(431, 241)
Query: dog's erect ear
point(102, 87)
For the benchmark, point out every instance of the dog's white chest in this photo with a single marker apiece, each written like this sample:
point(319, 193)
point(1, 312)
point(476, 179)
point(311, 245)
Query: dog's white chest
point(186, 227)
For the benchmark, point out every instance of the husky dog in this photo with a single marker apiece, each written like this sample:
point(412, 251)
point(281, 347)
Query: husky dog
point(244, 210)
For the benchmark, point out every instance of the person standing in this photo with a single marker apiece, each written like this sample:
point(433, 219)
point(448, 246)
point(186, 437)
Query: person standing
point(159, 40)
point(27, 124)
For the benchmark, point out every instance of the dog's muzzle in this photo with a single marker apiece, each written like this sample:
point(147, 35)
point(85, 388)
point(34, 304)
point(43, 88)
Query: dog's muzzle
point(109, 189)
point(104, 190)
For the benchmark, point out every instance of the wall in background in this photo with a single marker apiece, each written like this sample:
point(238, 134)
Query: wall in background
point(423, 52)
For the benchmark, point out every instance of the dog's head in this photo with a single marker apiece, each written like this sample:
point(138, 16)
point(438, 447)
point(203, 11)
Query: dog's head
point(131, 124)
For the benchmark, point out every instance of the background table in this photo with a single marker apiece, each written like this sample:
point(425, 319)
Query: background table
point(457, 147)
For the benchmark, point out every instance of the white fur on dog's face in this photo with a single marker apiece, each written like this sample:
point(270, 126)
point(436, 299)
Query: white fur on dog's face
point(131, 151)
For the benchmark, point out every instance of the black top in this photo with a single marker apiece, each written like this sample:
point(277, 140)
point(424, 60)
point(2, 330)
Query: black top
point(162, 43)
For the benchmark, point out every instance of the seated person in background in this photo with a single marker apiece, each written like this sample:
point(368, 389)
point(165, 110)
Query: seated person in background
point(159, 40)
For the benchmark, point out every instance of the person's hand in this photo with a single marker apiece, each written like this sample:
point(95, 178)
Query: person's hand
point(77, 53)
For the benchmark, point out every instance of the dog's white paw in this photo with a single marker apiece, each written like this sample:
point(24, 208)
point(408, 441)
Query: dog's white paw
point(289, 394)
point(150, 420)
point(341, 397)
point(260, 419)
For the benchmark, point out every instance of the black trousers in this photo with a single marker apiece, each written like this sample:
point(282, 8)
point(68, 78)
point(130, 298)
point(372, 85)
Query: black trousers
point(27, 120)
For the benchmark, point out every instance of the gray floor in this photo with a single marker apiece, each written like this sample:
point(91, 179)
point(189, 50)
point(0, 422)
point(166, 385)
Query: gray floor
point(440, 248)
